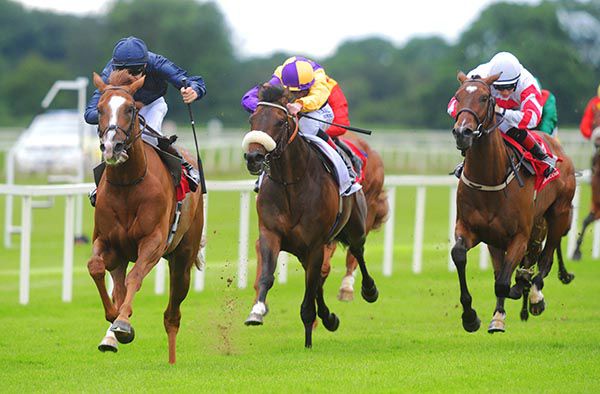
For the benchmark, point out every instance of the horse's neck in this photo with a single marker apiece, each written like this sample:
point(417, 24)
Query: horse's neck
point(133, 169)
point(486, 160)
point(291, 166)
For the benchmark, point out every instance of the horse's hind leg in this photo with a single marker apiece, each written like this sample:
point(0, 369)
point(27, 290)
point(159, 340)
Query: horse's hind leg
point(330, 320)
point(346, 292)
point(565, 276)
point(179, 269)
point(558, 225)
point(586, 222)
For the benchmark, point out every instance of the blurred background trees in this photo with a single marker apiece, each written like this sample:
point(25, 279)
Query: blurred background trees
point(386, 85)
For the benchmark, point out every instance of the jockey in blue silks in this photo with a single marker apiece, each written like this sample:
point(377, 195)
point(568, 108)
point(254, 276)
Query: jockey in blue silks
point(131, 54)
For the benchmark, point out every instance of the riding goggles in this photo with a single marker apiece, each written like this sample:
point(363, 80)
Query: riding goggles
point(511, 86)
point(132, 70)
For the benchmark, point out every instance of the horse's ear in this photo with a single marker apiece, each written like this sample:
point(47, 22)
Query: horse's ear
point(98, 82)
point(136, 85)
point(461, 77)
point(491, 79)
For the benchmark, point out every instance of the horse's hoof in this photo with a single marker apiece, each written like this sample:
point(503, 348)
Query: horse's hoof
point(346, 295)
point(123, 331)
point(370, 295)
point(576, 255)
point(566, 278)
point(497, 324)
point(332, 323)
point(108, 344)
point(254, 319)
point(537, 308)
point(471, 323)
point(515, 292)
point(524, 314)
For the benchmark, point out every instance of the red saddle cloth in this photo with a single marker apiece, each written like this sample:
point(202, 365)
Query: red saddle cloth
point(361, 155)
point(184, 186)
point(538, 166)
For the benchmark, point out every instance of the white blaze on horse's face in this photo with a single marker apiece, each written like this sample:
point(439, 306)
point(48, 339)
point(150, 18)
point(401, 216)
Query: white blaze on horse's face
point(471, 89)
point(108, 139)
point(258, 137)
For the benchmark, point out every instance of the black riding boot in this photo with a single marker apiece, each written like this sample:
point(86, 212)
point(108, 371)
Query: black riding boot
point(191, 173)
point(539, 154)
point(356, 161)
point(536, 150)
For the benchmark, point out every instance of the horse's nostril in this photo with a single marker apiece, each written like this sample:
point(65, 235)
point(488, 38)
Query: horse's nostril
point(102, 147)
point(119, 146)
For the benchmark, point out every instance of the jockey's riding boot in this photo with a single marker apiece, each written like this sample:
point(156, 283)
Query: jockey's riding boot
point(92, 197)
point(191, 174)
point(348, 163)
point(542, 156)
point(458, 169)
point(356, 161)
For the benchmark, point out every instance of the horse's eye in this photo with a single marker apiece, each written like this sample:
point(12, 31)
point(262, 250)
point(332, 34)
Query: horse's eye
point(484, 99)
point(456, 98)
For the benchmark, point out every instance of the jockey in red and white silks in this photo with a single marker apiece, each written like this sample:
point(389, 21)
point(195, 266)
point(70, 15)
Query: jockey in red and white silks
point(523, 108)
point(518, 101)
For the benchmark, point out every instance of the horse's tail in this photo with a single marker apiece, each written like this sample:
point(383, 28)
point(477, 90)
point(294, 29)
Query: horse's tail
point(382, 209)
point(200, 258)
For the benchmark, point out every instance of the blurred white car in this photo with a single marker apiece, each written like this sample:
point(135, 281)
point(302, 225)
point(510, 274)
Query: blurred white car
point(51, 144)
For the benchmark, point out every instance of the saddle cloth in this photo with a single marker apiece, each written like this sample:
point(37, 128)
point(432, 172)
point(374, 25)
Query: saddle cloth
point(539, 167)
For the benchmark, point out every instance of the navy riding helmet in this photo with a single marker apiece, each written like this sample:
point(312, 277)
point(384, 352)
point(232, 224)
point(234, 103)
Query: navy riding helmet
point(130, 51)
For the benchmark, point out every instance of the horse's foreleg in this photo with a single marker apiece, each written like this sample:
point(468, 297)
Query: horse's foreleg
point(470, 321)
point(269, 245)
point(149, 252)
point(586, 222)
point(308, 312)
point(258, 269)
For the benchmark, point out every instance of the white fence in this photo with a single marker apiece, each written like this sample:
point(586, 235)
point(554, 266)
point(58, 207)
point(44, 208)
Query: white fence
point(27, 193)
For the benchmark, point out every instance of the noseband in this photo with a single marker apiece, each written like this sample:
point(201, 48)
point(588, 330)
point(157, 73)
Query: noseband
point(280, 145)
point(116, 127)
point(489, 113)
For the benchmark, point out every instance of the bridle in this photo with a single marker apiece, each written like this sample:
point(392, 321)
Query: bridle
point(284, 140)
point(281, 144)
point(489, 113)
point(116, 127)
point(127, 133)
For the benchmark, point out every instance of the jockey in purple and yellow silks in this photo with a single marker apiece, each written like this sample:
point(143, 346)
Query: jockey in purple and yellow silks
point(320, 98)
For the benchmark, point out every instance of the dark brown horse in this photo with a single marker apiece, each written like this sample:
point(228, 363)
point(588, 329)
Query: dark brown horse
point(135, 215)
point(595, 206)
point(503, 215)
point(299, 209)
point(377, 211)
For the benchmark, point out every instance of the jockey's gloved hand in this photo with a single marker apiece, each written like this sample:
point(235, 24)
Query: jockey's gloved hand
point(294, 108)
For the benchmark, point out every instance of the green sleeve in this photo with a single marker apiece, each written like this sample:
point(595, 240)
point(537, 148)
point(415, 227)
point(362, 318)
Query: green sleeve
point(549, 116)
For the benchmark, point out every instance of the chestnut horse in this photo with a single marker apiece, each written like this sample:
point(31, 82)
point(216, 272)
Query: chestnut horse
point(377, 211)
point(135, 215)
point(503, 215)
point(595, 206)
point(299, 209)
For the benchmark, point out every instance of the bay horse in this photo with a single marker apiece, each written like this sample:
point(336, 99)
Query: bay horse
point(502, 216)
point(377, 212)
point(300, 209)
point(594, 213)
point(135, 216)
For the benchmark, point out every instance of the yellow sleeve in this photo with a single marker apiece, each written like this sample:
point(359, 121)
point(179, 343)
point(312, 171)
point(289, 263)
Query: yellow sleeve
point(318, 93)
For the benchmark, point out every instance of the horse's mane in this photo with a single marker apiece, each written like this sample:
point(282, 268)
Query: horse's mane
point(120, 78)
point(271, 93)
